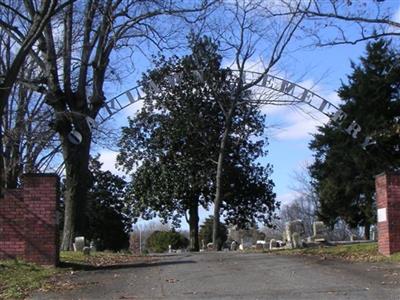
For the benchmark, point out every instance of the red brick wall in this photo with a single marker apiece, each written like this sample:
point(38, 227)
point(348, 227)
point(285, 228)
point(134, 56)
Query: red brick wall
point(388, 196)
point(28, 220)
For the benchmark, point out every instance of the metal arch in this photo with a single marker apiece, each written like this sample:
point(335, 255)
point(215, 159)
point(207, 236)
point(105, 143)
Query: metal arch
point(300, 95)
point(270, 82)
point(120, 102)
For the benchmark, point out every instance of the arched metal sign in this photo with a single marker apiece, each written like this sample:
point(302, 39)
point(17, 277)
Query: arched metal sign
point(300, 95)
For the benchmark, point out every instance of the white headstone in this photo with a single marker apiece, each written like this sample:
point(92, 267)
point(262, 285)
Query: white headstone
point(272, 244)
point(319, 231)
point(79, 243)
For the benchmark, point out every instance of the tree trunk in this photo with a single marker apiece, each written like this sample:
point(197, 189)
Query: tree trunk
point(76, 158)
point(217, 245)
point(194, 225)
point(2, 168)
point(367, 228)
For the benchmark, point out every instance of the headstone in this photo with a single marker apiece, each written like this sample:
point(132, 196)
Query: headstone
point(287, 234)
point(234, 245)
point(296, 240)
point(373, 233)
point(79, 243)
point(291, 228)
point(272, 244)
point(280, 243)
point(86, 250)
point(319, 231)
point(92, 246)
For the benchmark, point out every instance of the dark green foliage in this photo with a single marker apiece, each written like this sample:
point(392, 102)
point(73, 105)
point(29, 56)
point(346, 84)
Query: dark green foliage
point(108, 217)
point(206, 231)
point(174, 137)
point(171, 146)
point(343, 172)
point(159, 241)
point(248, 197)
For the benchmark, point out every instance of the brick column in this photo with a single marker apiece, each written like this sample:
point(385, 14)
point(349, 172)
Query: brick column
point(41, 236)
point(388, 204)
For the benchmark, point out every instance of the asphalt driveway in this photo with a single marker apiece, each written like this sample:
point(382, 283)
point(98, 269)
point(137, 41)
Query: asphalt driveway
point(230, 275)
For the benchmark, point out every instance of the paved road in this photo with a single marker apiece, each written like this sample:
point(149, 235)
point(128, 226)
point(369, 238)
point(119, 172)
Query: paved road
point(238, 276)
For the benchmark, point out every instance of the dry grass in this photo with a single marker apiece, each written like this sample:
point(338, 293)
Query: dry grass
point(18, 279)
point(356, 252)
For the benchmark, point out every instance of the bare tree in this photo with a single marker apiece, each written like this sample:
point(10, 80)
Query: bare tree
point(28, 142)
point(78, 50)
point(336, 22)
point(248, 25)
point(13, 16)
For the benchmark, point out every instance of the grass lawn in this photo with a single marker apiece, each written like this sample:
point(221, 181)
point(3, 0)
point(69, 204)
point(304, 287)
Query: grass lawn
point(355, 252)
point(18, 278)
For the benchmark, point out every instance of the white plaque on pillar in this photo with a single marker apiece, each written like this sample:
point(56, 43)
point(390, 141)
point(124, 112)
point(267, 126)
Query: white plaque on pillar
point(382, 215)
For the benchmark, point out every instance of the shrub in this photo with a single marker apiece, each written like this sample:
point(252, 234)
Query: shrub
point(159, 241)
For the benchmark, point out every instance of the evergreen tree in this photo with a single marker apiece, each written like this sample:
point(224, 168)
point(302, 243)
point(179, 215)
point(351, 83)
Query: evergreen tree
point(206, 231)
point(343, 172)
point(108, 217)
point(172, 145)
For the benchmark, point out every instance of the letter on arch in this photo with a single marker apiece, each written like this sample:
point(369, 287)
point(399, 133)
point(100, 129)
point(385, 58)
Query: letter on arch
point(287, 87)
point(339, 116)
point(353, 129)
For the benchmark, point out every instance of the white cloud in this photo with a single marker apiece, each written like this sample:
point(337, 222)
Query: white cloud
point(300, 126)
point(108, 158)
point(132, 109)
point(287, 198)
point(298, 122)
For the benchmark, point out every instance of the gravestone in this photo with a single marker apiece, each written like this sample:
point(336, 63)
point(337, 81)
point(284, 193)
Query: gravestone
point(234, 246)
point(79, 243)
point(373, 236)
point(296, 240)
point(273, 244)
point(86, 250)
point(319, 231)
point(93, 246)
point(296, 228)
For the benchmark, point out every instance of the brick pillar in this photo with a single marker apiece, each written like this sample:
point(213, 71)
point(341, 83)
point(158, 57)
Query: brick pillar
point(41, 228)
point(12, 233)
point(388, 204)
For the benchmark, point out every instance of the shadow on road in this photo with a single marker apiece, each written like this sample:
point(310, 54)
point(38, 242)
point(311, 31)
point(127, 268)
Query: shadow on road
point(87, 267)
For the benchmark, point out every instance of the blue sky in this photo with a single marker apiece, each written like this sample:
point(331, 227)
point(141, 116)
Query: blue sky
point(289, 132)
